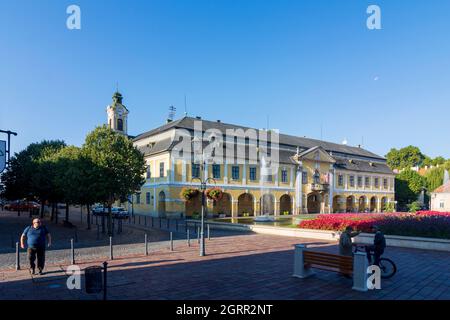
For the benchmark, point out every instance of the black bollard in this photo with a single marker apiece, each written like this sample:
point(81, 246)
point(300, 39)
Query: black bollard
point(171, 241)
point(105, 273)
point(17, 257)
point(72, 250)
point(111, 257)
point(209, 234)
point(146, 245)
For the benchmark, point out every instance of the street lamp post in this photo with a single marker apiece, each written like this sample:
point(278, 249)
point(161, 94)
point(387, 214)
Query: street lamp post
point(203, 184)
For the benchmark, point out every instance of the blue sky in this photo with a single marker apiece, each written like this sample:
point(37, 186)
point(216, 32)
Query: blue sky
point(307, 64)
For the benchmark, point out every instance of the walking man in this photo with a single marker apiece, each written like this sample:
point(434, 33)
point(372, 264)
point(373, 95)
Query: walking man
point(36, 236)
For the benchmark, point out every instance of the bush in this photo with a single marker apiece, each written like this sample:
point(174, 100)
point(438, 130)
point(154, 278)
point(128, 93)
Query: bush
point(389, 207)
point(414, 207)
point(421, 224)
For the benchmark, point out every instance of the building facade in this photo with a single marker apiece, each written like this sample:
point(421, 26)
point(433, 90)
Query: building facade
point(440, 198)
point(312, 176)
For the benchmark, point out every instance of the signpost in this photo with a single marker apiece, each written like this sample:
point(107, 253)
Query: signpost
point(2, 155)
point(5, 150)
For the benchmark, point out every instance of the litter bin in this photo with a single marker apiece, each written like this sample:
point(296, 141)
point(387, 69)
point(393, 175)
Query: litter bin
point(93, 279)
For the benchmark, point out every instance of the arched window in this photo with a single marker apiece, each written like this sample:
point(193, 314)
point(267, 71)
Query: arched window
point(120, 124)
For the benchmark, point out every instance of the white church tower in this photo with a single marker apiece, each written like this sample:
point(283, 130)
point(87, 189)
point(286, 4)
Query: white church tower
point(118, 114)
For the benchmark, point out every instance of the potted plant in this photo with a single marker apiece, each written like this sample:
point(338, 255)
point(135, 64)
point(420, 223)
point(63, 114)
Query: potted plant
point(189, 193)
point(214, 194)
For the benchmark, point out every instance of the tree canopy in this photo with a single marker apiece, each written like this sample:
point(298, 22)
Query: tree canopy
point(106, 169)
point(405, 158)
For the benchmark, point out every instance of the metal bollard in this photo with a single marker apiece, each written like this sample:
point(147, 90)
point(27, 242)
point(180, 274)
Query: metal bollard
point(188, 238)
point(209, 234)
point(171, 241)
point(111, 257)
point(17, 257)
point(72, 250)
point(198, 234)
point(146, 245)
point(105, 284)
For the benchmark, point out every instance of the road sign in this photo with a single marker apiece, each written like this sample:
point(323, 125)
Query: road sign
point(2, 155)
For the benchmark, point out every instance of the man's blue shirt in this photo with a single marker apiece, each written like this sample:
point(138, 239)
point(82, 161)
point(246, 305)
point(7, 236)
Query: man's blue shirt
point(35, 237)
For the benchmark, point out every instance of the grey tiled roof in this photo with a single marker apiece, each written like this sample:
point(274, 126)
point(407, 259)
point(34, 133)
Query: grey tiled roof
point(288, 144)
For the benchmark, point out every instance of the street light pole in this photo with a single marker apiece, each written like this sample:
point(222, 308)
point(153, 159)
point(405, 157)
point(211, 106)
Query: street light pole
point(203, 185)
point(202, 234)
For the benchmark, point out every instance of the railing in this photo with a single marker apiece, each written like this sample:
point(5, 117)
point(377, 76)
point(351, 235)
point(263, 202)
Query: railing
point(319, 186)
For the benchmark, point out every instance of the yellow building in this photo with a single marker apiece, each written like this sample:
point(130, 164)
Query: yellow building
point(312, 176)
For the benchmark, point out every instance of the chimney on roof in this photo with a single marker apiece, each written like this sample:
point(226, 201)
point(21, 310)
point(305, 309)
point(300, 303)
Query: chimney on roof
point(198, 118)
point(219, 121)
point(169, 120)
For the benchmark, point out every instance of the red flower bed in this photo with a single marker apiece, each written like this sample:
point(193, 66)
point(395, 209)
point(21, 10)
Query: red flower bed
point(421, 224)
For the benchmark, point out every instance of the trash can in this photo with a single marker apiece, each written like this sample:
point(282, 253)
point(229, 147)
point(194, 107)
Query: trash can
point(93, 279)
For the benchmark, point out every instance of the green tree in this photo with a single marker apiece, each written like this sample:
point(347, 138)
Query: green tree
point(438, 161)
point(77, 177)
point(434, 178)
point(30, 175)
point(404, 158)
point(121, 166)
point(408, 185)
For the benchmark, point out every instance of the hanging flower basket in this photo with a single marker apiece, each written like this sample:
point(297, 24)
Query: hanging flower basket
point(189, 193)
point(214, 194)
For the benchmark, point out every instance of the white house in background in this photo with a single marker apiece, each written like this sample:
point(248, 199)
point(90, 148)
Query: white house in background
point(440, 198)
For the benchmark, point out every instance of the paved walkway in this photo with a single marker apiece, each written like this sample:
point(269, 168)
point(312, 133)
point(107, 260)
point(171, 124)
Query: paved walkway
point(236, 267)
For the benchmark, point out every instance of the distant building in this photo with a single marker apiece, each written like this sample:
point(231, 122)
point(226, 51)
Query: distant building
point(440, 198)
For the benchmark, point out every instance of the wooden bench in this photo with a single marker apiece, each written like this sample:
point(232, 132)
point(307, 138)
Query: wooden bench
point(328, 262)
point(356, 266)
